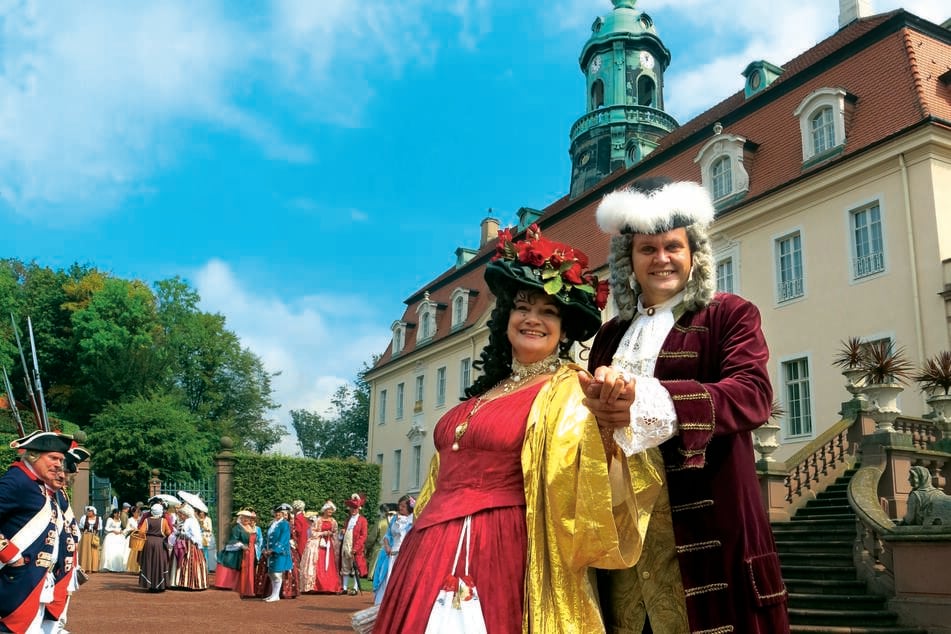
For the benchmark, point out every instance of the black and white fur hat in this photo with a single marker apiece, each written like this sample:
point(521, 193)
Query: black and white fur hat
point(651, 206)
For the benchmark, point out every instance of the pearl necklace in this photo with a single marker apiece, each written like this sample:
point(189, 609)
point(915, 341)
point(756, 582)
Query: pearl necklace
point(521, 374)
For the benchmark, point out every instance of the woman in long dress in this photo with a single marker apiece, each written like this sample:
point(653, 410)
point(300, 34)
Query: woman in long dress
point(90, 525)
point(153, 575)
point(114, 547)
point(397, 529)
point(135, 540)
point(319, 563)
point(231, 558)
point(188, 568)
point(523, 463)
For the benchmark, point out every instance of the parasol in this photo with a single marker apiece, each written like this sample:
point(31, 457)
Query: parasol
point(193, 501)
point(166, 499)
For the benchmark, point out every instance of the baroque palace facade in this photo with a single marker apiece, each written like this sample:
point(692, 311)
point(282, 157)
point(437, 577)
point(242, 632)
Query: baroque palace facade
point(831, 176)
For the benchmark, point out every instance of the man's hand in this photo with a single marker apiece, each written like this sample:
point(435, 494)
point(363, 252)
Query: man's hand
point(608, 396)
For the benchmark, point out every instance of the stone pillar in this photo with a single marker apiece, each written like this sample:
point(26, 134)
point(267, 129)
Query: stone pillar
point(772, 486)
point(80, 489)
point(224, 473)
point(155, 484)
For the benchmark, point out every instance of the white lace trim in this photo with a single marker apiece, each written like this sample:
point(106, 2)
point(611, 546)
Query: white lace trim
point(653, 417)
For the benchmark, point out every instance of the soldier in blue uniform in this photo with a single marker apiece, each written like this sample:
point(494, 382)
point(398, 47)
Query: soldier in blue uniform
point(31, 522)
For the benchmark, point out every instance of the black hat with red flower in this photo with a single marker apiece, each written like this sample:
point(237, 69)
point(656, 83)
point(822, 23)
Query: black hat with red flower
point(555, 268)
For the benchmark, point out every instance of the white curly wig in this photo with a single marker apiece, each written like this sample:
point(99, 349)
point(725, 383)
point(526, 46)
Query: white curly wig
point(651, 206)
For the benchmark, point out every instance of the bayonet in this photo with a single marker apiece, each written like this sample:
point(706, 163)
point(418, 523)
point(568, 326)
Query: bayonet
point(36, 376)
point(13, 404)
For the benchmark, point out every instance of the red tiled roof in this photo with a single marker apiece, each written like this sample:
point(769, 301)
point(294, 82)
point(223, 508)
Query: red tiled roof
point(889, 64)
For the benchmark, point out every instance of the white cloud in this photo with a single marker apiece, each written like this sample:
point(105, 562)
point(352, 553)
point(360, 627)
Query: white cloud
point(93, 95)
point(299, 338)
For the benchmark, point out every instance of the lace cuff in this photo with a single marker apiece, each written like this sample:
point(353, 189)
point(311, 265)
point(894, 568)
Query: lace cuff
point(653, 418)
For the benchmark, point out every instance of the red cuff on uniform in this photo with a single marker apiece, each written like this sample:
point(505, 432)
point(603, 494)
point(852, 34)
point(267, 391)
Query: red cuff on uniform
point(9, 553)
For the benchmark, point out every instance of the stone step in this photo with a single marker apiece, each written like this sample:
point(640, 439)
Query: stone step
point(814, 616)
point(836, 601)
point(833, 587)
point(854, 629)
point(818, 561)
point(844, 573)
point(814, 546)
point(843, 525)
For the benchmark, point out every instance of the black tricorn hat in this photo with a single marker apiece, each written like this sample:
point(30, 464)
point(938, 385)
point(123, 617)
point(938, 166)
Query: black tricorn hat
point(44, 441)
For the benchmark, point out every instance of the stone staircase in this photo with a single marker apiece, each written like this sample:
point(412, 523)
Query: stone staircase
point(825, 595)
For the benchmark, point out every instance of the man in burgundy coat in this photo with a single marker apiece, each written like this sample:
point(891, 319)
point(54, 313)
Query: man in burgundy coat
point(682, 370)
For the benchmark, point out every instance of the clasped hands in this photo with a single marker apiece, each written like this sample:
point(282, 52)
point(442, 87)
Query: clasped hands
point(608, 395)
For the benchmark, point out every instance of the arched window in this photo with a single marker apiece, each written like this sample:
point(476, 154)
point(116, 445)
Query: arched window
point(646, 91)
point(721, 177)
point(822, 122)
point(597, 94)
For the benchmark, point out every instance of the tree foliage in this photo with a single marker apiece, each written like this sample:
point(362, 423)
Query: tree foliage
point(341, 432)
point(113, 350)
point(131, 438)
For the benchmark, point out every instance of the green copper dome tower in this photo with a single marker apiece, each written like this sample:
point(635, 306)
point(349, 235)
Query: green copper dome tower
point(624, 62)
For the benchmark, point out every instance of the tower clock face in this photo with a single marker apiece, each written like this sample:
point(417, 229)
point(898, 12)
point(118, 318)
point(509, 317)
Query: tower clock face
point(647, 60)
point(595, 65)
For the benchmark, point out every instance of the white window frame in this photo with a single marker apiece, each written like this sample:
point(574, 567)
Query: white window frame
point(397, 468)
point(874, 263)
point(419, 392)
point(381, 408)
point(426, 314)
point(400, 393)
point(417, 467)
point(729, 146)
point(465, 376)
point(811, 106)
point(806, 414)
point(441, 386)
point(459, 300)
point(721, 263)
point(398, 328)
point(724, 249)
point(784, 296)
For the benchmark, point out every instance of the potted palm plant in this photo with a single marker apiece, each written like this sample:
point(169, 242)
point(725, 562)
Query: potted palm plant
point(849, 357)
point(934, 379)
point(885, 369)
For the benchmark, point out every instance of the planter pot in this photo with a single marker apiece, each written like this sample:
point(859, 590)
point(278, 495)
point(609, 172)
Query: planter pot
point(766, 440)
point(941, 406)
point(854, 382)
point(883, 404)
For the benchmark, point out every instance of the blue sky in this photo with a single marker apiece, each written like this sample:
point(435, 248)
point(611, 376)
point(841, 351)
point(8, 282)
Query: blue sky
point(308, 164)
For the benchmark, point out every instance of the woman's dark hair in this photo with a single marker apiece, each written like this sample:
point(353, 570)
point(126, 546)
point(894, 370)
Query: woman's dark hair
point(115, 512)
point(495, 361)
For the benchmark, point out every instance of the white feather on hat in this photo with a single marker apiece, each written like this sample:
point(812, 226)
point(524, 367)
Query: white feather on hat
point(674, 205)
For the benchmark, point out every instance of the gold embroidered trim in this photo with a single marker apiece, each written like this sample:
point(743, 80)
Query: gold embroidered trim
point(696, 396)
point(723, 629)
point(712, 587)
point(685, 354)
point(686, 329)
point(692, 506)
point(692, 548)
point(697, 426)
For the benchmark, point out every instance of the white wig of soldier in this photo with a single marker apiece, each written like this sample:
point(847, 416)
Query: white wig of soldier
point(651, 206)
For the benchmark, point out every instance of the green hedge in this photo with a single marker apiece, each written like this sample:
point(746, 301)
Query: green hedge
point(263, 482)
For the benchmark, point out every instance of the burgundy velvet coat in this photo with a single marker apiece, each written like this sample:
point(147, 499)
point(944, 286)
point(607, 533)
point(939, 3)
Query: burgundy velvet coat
point(713, 364)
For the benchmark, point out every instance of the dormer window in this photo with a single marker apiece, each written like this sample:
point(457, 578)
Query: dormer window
point(721, 167)
point(459, 301)
point(822, 123)
point(398, 328)
point(427, 319)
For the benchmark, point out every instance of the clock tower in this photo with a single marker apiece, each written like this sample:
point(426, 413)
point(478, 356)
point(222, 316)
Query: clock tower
point(623, 62)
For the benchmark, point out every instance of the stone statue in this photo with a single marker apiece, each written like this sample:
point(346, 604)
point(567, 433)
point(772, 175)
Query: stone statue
point(927, 505)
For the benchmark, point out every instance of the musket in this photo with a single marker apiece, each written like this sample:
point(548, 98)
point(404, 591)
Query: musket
point(36, 377)
point(26, 376)
point(13, 404)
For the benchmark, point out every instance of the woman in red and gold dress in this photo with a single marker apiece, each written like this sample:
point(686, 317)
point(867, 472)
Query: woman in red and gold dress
point(524, 459)
point(318, 564)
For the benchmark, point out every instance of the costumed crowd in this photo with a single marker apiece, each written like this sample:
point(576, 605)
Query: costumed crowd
point(617, 497)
